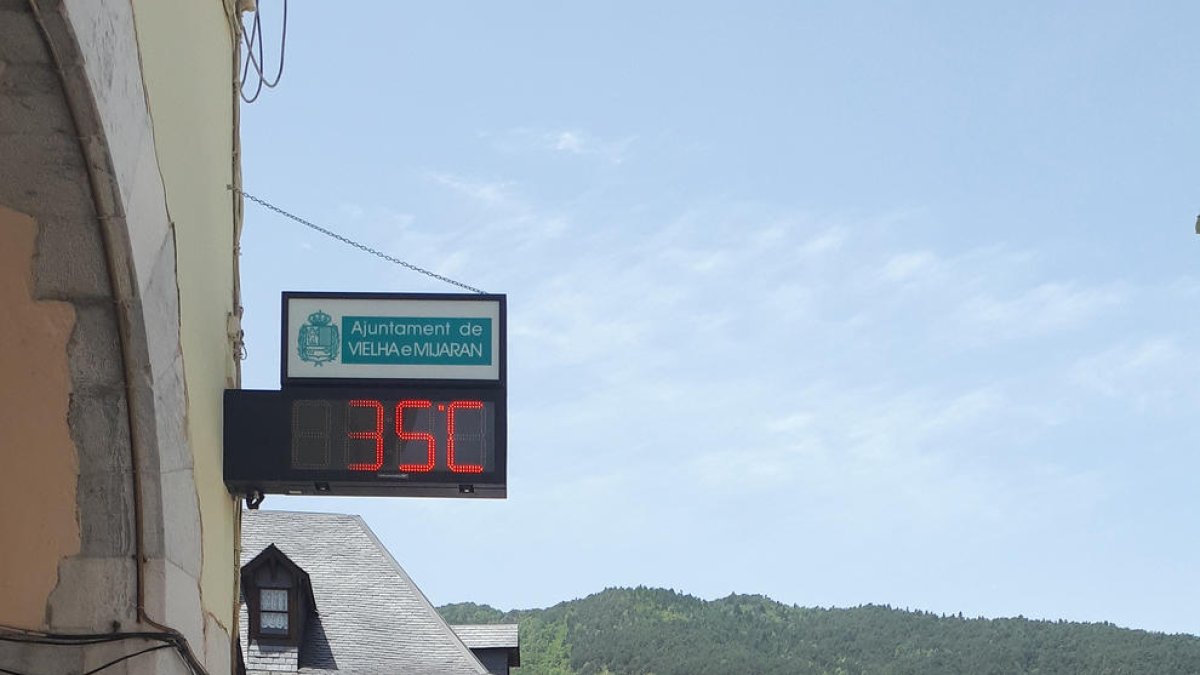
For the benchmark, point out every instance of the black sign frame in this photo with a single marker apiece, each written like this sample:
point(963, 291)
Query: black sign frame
point(257, 452)
point(284, 343)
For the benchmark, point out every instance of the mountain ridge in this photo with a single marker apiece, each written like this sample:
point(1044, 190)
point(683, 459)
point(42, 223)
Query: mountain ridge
point(653, 631)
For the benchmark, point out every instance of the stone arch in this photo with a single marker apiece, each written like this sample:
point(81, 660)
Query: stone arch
point(78, 167)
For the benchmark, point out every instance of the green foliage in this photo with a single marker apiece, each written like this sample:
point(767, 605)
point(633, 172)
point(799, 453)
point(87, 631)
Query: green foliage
point(647, 631)
point(469, 612)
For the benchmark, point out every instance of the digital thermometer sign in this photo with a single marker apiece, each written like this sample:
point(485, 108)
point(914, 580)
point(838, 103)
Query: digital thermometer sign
point(384, 441)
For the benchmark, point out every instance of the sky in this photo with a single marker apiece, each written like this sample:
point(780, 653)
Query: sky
point(840, 303)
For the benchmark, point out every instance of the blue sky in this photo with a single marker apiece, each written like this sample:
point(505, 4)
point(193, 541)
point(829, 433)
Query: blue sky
point(840, 303)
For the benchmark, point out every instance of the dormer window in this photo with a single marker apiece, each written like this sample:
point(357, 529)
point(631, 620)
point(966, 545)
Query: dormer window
point(273, 607)
point(278, 596)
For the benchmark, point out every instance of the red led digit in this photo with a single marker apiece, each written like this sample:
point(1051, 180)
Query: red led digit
point(459, 468)
point(430, 443)
point(377, 435)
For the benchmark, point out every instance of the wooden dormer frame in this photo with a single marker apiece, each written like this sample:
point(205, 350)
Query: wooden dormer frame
point(300, 596)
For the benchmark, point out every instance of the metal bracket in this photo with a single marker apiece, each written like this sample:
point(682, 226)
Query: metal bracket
point(253, 499)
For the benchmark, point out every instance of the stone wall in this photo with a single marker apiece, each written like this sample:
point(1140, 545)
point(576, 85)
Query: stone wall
point(91, 288)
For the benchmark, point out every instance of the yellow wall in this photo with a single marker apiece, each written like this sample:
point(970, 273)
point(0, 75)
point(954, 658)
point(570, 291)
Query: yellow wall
point(38, 458)
point(187, 52)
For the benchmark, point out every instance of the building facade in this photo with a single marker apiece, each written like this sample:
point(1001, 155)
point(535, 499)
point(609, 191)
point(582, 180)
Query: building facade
point(322, 596)
point(118, 277)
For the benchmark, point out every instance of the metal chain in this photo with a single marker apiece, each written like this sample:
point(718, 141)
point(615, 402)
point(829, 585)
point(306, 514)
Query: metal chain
point(351, 242)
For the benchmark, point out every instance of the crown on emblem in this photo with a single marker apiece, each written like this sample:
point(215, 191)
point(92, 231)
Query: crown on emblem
point(319, 318)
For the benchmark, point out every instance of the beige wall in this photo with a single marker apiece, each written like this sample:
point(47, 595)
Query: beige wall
point(188, 76)
point(38, 460)
point(117, 139)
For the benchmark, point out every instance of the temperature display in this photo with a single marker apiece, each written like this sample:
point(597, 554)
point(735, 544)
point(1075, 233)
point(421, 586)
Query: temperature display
point(404, 436)
point(367, 441)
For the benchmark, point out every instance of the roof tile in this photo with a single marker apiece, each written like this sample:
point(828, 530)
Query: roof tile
point(372, 617)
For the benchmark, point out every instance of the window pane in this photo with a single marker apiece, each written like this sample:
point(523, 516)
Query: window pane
point(274, 600)
point(274, 622)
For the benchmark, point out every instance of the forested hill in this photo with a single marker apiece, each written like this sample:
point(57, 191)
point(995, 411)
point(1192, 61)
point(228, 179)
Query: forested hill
point(646, 630)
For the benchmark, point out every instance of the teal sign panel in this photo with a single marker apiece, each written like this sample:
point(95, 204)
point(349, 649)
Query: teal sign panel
point(423, 340)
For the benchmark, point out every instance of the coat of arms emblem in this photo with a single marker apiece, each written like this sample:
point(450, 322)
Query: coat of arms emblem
point(318, 342)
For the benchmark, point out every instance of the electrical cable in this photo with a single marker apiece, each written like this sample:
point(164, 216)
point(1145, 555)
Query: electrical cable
point(250, 60)
point(255, 40)
point(170, 639)
point(282, 47)
point(346, 240)
point(115, 661)
point(181, 644)
point(107, 665)
point(82, 639)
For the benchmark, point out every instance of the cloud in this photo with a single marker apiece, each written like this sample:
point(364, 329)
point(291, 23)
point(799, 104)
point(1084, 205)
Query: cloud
point(583, 144)
point(822, 242)
point(1045, 308)
point(491, 193)
point(353, 211)
point(568, 141)
point(749, 350)
point(572, 142)
point(1154, 373)
point(907, 266)
point(495, 216)
point(876, 455)
point(1186, 287)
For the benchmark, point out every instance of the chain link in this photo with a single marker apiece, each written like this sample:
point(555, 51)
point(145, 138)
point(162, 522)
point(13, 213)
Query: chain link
point(351, 242)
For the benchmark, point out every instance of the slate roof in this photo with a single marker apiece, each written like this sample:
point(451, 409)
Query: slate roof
point(487, 636)
point(372, 619)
